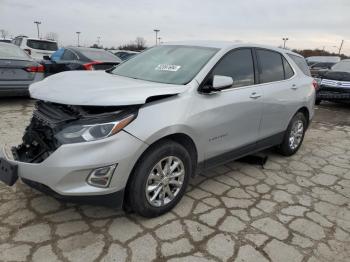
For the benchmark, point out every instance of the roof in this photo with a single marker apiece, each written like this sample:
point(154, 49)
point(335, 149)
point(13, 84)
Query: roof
point(227, 45)
point(82, 48)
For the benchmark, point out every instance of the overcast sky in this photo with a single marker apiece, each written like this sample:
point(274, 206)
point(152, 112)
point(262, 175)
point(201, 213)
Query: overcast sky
point(307, 23)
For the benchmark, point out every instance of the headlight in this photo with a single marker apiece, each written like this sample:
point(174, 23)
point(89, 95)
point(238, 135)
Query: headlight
point(318, 80)
point(91, 132)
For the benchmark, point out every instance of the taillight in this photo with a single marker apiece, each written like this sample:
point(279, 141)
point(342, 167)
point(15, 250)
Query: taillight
point(90, 66)
point(315, 84)
point(28, 51)
point(35, 69)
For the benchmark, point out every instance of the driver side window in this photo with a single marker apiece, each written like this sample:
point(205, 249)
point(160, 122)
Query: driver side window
point(237, 64)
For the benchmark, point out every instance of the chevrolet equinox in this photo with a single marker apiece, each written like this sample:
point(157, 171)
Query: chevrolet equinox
point(134, 135)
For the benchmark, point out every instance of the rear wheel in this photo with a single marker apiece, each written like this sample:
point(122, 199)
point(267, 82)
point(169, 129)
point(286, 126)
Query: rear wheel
point(160, 179)
point(318, 101)
point(294, 135)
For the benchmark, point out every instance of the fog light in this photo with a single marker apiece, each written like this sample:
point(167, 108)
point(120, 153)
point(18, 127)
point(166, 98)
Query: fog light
point(101, 177)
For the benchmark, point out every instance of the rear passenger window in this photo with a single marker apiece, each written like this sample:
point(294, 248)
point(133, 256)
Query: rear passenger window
point(68, 55)
point(56, 56)
point(301, 63)
point(288, 71)
point(271, 66)
point(237, 64)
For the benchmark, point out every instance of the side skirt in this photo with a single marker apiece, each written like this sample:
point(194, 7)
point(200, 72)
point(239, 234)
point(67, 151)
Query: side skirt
point(241, 152)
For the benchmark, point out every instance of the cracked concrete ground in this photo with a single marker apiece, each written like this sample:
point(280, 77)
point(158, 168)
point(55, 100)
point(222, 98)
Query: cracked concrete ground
point(296, 209)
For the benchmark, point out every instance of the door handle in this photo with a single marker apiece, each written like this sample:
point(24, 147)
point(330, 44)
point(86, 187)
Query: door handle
point(255, 95)
point(294, 87)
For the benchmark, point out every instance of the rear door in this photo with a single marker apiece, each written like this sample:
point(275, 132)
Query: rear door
point(279, 86)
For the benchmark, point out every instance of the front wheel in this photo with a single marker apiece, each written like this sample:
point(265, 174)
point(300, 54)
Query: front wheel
point(160, 179)
point(318, 102)
point(294, 135)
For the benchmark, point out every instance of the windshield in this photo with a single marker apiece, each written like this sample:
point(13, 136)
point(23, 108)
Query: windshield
point(42, 45)
point(99, 55)
point(10, 51)
point(342, 66)
point(167, 64)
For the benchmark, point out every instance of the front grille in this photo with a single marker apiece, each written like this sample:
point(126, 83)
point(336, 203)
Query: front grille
point(39, 141)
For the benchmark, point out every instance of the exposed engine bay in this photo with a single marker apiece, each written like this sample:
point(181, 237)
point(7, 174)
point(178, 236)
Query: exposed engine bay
point(40, 138)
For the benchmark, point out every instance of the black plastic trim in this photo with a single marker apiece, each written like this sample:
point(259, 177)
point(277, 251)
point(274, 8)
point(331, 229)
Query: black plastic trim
point(115, 199)
point(243, 151)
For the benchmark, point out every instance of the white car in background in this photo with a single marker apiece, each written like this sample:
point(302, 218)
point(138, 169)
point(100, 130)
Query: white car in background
point(36, 48)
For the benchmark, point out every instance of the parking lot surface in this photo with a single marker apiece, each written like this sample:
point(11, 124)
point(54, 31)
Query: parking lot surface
point(293, 209)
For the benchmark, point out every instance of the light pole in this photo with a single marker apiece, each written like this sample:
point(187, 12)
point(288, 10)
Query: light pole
point(37, 26)
point(285, 39)
point(78, 35)
point(341, 46)
point(98, 40)
point(157, 31)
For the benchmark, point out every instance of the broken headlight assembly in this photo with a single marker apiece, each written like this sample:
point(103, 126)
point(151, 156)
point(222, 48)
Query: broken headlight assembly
point(86, 132)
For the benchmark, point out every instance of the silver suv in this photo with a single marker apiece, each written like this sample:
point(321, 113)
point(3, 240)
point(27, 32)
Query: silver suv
point(134, 135)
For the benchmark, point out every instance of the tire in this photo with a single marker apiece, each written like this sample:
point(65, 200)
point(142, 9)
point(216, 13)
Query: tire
point(138, 198)
point(318, 102)
point(287, 148)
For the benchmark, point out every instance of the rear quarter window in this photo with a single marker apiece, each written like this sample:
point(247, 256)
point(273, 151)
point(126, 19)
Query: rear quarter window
point(301, 63)
point(288, 71)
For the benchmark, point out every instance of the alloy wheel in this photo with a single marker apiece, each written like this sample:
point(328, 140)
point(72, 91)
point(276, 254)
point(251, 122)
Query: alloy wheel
point(165, 181)
point(296, 134)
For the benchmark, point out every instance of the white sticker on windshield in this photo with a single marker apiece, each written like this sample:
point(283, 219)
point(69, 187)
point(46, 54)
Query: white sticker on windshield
point(166, 67)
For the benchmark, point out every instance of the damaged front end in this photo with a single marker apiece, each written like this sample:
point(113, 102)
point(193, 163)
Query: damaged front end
point(53, 125)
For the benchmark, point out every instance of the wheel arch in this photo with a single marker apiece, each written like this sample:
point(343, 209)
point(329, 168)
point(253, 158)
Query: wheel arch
point(183, 139)
point(305, 111)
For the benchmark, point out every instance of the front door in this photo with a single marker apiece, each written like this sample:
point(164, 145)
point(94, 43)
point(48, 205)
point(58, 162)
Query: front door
point(228, 121)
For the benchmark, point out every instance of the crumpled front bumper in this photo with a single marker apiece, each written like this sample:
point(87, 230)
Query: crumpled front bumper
point(65, 171)
point(333, 93)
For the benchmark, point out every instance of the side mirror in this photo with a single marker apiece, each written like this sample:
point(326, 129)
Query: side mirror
point(220, 82)
point(46, 57)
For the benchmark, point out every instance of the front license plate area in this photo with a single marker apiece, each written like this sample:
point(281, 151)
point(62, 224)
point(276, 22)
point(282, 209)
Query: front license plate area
point(8, 172)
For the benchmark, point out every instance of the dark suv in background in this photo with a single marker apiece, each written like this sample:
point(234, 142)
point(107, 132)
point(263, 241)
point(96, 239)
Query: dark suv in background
point(334, 84)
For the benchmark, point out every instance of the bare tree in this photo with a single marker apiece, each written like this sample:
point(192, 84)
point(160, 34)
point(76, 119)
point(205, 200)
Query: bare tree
point(4, 33)
point(140, 43)
point(137, 45)
point(52, 36)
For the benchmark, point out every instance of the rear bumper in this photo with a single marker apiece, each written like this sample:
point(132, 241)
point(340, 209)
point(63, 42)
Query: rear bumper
point(17, 90)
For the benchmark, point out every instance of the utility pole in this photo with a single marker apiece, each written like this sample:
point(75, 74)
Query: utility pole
point(285, 39)
point(157, 31)
point(78, 35)
point(159, 38)
point(341, 46)
point(37, 27)
point(98, 40)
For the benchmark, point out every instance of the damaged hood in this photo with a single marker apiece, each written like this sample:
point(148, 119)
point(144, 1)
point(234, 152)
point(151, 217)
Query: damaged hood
point(99, 88)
